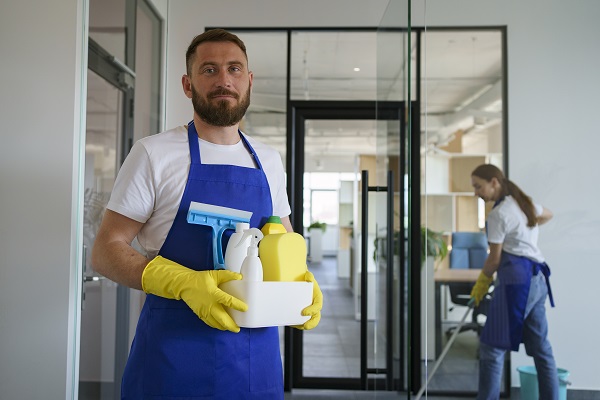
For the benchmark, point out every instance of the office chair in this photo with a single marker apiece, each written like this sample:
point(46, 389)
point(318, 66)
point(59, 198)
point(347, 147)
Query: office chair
point(469, 250)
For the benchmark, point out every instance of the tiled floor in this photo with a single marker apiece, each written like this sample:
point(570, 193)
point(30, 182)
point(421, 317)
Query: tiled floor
point(332, 350)
point(306, 394)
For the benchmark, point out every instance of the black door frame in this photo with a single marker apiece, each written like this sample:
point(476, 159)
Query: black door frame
point(298, 113)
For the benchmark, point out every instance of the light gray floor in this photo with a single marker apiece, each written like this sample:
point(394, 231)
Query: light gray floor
point(306, 394)
point(333, 348)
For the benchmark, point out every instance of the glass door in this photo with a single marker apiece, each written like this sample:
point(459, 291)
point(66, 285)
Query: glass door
point(337, 206)
point(104, 337)
point(455, 78)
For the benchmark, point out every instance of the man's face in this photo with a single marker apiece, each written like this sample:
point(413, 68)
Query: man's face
point(220, 83)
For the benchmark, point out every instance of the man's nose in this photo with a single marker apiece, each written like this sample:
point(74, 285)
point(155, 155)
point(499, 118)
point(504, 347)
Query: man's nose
point(223, 79)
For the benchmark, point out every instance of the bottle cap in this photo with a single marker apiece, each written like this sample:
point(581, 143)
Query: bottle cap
point(274, 219)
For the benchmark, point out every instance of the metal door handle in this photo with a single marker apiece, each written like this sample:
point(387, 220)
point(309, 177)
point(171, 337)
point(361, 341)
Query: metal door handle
point(89, 278)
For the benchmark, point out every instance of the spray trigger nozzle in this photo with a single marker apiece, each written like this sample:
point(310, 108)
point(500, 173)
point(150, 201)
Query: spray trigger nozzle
point(256, 236)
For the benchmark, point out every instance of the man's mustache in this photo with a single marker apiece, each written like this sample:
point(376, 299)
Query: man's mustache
point(223, 92)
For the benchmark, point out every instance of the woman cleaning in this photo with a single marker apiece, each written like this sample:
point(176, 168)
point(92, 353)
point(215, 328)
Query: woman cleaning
point(517, 311)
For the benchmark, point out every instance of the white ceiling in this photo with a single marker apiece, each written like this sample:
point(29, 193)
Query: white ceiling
point(461, 84)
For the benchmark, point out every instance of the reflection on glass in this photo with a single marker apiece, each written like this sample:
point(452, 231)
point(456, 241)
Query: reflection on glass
point(98, 324)
point(335, 151)
point(462, 80)
point(333, 65)
point(107, 26)
point(147, 73)
point(266, 117)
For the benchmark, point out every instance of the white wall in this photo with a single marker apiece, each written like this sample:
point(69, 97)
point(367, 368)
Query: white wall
point(553, 89)
point(41, 49)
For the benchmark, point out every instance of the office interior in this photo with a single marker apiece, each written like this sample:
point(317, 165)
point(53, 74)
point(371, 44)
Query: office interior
point(507, 82)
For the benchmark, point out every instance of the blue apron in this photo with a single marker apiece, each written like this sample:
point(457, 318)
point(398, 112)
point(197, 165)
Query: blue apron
point(504, 325)
point(175, 355)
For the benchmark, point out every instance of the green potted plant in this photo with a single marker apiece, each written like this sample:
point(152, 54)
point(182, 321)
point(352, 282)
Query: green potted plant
point(318, 225)
point(432, 245)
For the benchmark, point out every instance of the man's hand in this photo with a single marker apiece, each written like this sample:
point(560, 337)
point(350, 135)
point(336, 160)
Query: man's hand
point(314, 310)
point(199, 289)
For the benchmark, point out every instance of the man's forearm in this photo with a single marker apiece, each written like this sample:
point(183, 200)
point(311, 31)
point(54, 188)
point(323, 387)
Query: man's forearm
point(120, 263)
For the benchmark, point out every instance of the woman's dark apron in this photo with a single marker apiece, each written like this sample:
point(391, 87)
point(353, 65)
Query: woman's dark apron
point(174, 354)
point(504, 325)
point(506, 314)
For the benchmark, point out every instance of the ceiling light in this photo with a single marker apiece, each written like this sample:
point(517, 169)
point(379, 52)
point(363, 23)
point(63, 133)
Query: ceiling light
point(356, 69)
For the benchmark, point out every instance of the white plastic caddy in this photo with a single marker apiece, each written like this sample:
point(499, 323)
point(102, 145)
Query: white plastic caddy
point(270, 303)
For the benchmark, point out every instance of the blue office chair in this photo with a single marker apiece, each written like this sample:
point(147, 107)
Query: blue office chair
point(469, 250)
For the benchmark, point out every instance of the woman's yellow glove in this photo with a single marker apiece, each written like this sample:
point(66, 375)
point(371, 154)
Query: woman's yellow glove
point(314, 310)
point(481, 287)
point(199, 289)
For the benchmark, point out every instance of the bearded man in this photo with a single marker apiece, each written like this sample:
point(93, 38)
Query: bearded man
point(186, 344)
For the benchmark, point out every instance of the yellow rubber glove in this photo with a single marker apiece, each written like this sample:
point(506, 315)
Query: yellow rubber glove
point(199, 289)
point(481, 287)
point(314, 310)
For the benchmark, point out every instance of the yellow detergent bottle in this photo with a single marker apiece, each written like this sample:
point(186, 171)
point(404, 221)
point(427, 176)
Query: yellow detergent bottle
point(283, 257)
point(273, 225)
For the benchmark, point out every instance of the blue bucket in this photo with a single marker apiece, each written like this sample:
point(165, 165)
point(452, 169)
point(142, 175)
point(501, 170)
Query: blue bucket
point(529, 383)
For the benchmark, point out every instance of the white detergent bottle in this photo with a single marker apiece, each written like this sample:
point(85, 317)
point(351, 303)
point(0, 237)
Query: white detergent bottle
point(251, 269)
point(236, 248)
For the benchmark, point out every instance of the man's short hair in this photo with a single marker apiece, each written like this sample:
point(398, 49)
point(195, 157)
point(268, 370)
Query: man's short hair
point(212, 35)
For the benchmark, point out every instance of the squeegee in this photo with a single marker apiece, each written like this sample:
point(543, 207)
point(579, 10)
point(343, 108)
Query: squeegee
point(219, 219)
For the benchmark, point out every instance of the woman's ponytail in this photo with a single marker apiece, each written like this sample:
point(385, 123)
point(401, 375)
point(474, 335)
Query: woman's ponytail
point(489, 171)
point(524, 202)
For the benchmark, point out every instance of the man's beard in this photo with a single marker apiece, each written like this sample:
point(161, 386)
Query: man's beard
point(220, 113)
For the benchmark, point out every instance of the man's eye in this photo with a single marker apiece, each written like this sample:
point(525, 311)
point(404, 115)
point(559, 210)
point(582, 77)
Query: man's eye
point(209, 70)
point(235, 69)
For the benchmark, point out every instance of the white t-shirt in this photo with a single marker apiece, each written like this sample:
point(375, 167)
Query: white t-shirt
point(507, 224)
point(150, 184)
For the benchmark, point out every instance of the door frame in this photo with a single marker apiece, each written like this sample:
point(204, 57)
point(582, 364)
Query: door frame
point(298, 113)
point(122, 78)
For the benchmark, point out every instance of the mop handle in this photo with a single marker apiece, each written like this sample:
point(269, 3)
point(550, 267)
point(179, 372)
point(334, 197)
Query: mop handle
point(471, 304)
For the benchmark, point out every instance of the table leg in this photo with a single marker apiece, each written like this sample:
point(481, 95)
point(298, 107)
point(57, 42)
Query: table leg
point(438, 319)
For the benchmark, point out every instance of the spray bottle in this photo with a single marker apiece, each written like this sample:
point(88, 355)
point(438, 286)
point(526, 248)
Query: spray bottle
point(251, 269)
point(237, 248)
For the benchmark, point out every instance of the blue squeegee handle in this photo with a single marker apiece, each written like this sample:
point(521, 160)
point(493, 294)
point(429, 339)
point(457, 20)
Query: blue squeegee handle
point(219, 261)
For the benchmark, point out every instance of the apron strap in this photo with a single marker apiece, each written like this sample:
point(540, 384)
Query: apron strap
point(193, 143)
point(195, 147)
point(546, 271)
point(251, 150)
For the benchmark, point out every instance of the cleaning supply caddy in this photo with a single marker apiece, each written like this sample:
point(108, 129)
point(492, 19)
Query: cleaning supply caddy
point(281, 297)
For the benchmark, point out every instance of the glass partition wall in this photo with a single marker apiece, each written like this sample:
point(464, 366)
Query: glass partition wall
point(315, 100)
point(378, 130)
point(462, 86)
point(456, 120)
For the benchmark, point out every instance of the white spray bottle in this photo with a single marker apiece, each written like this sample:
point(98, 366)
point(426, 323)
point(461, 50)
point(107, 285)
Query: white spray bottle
point(251, 269)
point(237, 248)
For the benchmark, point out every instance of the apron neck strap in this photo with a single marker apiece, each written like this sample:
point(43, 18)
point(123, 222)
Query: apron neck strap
point(193, 143)
point(195, 147)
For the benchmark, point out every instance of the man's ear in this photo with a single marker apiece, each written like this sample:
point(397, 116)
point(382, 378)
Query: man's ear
point(186, 83)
